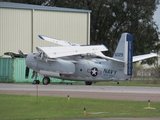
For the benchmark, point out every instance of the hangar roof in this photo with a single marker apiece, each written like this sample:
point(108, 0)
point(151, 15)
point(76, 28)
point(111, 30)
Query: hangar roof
point(38, 7)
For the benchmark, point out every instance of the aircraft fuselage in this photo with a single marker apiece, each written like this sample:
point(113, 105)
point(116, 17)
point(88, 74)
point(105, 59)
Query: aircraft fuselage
point(83, 68)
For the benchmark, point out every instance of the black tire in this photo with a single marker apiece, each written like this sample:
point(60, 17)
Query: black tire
point(36, 82)
point(88, 83)
point(46, 80)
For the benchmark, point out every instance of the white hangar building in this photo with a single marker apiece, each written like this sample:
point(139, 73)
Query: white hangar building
point(20, 25)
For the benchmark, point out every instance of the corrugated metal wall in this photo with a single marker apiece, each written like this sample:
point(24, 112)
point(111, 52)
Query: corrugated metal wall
point(19, 70)
point(6, 70)
point(67, 26)
point(19, 28)
point(15, 30)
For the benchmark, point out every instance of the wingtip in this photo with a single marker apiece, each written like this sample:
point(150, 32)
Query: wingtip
point(105, 47)
point(153, 53)
point(40, 37)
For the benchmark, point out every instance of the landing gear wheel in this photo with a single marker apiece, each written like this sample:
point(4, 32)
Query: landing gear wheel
point(88, 83)
point(117, 83)
point(46, 80)
point(36, 82)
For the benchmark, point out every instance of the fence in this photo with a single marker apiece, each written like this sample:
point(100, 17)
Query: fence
point(151, 75)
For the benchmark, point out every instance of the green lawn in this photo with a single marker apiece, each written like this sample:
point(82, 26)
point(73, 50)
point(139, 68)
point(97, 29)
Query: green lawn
point(149, 83)
point(24, 107)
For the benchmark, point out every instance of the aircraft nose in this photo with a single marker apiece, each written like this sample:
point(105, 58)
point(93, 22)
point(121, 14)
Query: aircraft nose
point(29, 60)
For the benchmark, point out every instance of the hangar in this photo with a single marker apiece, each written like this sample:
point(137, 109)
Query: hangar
point(20, 25)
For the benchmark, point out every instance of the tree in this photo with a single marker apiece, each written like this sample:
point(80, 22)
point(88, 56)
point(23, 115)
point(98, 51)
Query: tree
point(35, 2)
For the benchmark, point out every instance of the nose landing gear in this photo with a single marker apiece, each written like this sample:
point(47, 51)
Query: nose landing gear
point(35, 75)
point(36, 82)
point(45, 81)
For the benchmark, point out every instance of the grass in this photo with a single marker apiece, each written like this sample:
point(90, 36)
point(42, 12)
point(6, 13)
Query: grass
point(149, 83)
point(146, 83)
point(24, 107)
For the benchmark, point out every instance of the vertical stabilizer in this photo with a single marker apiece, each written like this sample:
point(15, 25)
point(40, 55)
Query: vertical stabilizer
point(124, 51)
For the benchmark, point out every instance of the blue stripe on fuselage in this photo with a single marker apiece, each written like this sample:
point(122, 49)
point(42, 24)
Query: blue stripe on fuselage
point(130, 54)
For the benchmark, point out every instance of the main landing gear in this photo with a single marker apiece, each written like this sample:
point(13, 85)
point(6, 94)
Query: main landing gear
point(46, 80)
point(88, 83)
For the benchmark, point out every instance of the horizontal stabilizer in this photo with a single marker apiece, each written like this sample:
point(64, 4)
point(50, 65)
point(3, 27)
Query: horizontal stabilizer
point(108, 58)
point(142, 57)
point(61, 51)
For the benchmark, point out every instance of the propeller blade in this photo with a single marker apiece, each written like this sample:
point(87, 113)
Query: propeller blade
point(27, 72)
point(21, 53)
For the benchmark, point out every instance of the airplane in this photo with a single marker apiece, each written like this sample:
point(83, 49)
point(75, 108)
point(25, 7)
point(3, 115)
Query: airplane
point(76, 62)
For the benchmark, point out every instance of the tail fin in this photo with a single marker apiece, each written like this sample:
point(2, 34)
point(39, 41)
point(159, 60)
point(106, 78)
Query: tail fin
point(124, 51)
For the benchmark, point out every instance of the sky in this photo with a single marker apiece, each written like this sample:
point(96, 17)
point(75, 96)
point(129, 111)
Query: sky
point(156, 16)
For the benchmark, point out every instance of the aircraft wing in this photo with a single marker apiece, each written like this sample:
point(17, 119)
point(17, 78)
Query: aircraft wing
point(61, 51)
point(57, 41)
point(142, 57)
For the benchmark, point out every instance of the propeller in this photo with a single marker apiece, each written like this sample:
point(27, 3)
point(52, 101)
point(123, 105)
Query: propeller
point(27, 72)
point(27, 68)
